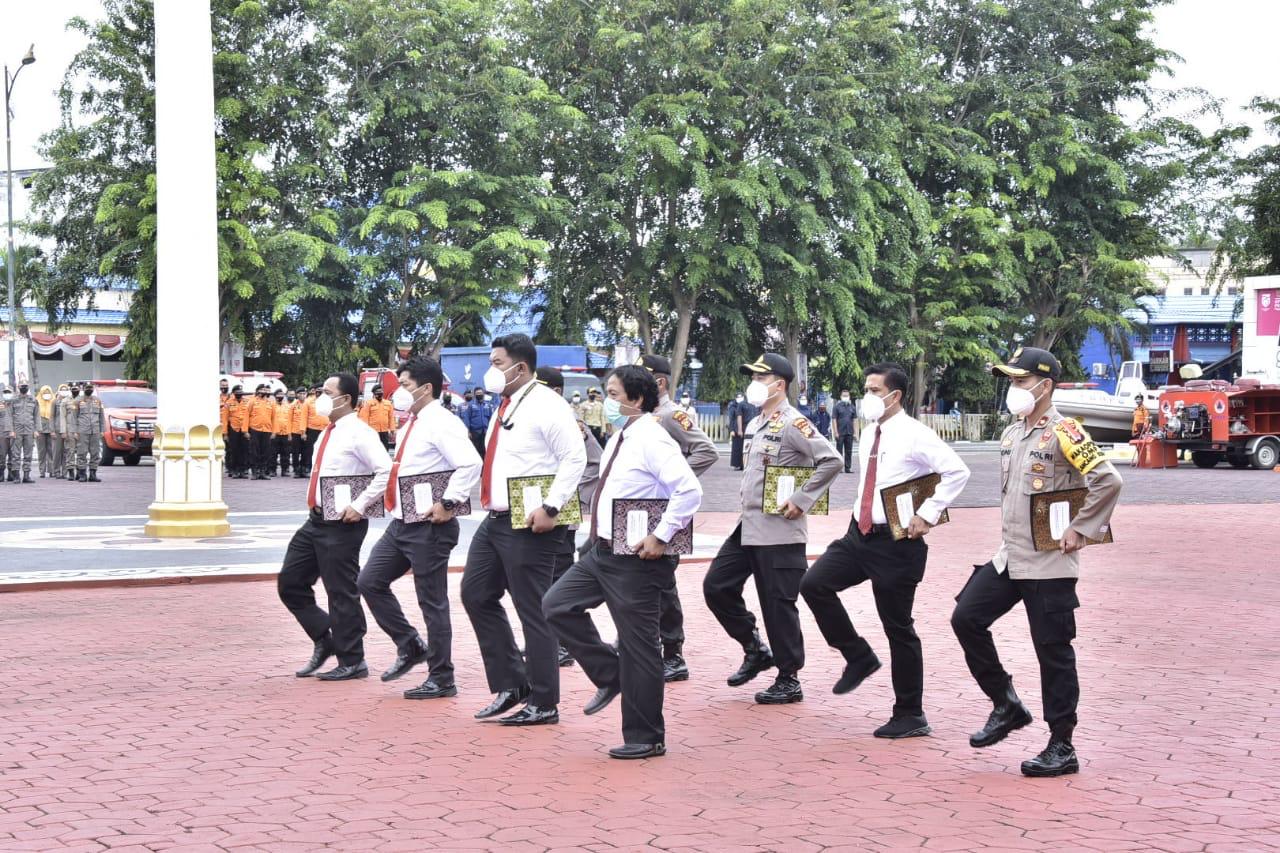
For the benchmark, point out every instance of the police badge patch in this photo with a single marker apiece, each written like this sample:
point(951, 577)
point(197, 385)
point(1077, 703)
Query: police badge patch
point(804, 426)
point(683, 419)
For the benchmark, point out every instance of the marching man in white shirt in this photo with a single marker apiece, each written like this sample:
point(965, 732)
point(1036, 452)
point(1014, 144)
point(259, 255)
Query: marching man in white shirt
point(433, 440)
point(533, 434)
point(330, 550)
point(898, 449)
point(641, 461)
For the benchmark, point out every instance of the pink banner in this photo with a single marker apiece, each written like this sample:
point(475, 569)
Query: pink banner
point(1269, 312)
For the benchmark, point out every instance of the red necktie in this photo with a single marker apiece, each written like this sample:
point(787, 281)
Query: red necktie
point(595, 502)
point(315, 470)
point(389, 500)
point(869, 486)
point(491, 450)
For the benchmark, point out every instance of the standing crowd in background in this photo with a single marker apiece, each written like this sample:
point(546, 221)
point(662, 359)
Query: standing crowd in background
point(60, 434)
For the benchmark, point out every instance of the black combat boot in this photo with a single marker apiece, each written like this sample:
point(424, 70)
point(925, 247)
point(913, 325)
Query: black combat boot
point(1057, 759)
point(757, 659)
point(1009, 715)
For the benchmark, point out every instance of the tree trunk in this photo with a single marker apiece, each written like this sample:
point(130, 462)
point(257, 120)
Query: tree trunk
point(680, 347)
point(791, 348)
point(917, 373)
point(397, 313)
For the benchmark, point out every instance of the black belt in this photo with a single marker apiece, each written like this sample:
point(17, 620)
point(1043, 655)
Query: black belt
point(503, 514)
point(875, 529)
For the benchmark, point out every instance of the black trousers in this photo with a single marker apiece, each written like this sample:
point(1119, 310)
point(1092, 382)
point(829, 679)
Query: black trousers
point(735, 452)
point(424, 547)
point(477, 439)
point(631, 588)
point(1050, 606)
point(238, 449)
point(386, 439)
point(328, 551)
point(671, 620)
point(297, 450)
point(309, 452)
point(280, 454)
point(895, 569)
point(502, 560)
point(777, 570)
point(844, 445)
point(260, 450)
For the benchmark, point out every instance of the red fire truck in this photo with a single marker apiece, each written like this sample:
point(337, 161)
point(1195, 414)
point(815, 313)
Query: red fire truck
point(1216, 420)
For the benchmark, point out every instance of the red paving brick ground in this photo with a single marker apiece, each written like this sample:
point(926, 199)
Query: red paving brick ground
point(159, 717)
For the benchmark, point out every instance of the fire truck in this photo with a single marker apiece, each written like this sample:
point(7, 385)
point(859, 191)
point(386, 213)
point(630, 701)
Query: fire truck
point(1237, 421)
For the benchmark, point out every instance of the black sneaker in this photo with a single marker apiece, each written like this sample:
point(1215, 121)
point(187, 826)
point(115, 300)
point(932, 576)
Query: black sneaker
point(904, 727)
point(1057, 759)
point(674, 668)
point(785, 690)
point(566, 659)
point(856, 673)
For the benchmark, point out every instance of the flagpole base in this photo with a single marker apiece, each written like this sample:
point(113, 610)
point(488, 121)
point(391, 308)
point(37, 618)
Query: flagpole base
point(188, 502)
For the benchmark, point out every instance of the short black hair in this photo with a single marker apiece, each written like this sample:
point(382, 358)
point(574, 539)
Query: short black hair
point(349, 386)
point(424, 370)
point(895, 378)
point(551, 377)
point(638, 384)
point(519, 348)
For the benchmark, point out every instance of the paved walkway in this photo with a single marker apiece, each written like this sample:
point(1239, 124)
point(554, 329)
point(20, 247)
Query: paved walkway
point(160, 717)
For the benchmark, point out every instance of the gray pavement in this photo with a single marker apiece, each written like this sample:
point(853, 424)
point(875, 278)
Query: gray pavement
point(59, 530)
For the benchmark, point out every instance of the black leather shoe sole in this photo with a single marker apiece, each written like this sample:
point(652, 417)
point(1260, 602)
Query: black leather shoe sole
point(604, 696)
point(984, 739)
point(1040, 771)
point(363, 672)
point(922, 731)
point(395, 672)
point(845, 685)
point(634, 751)
point(675, 675)
point(521, 719)
point(439, 693)
point(764, 698)
point(513, 698)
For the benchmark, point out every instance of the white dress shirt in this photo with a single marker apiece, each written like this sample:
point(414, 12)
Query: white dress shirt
point(909, 449)
point(354, 449)
point(649, 464)
point(437, 442)
point(543, 439)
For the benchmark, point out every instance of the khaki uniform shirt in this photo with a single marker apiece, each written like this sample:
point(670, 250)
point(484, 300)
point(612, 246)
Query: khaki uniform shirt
point(784, 438)
point(67, 415)
point(89, 417)
point(6, 419)
point(25, 413)
point(1055, 453)
point(699, 451)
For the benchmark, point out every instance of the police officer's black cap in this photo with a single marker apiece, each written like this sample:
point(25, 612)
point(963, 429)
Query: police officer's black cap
point(1030, 361)
point(239, 389)
point(772, 364)
point(655, 364)
point(301, 390)
point(551, 377)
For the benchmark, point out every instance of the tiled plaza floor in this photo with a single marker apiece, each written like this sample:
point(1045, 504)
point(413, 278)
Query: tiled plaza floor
point(160, 717)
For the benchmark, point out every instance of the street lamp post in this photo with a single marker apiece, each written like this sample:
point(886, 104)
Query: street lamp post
point(10, 259)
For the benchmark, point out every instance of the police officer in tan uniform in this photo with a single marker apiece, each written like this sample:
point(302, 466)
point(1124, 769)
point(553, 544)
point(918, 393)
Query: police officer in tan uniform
point(770, 548)
point(89, 422)
point(1041, 451)
point(700, 452)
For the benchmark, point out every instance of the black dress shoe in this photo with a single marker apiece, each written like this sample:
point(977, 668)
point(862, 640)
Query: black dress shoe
point(785, 690)
point(26, 478)
point(675, 669)
point(566, 659)
point(856, 673)
point(323, 651)
point(757, 659)
point(432, 689)
point(406, 660)
point(345, 672)
point(638, 750)
point(1009, 715)
point(601, 700)
point(503, 702)
point(903, 727)
point(93, 477)
point(532, 715)
point(1057, 759)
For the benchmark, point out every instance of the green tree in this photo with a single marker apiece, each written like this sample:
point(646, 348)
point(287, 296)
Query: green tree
point(1250, 234)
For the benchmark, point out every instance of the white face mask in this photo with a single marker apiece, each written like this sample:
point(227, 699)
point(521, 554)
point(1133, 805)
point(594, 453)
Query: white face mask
point(844, 398)
point(1022, 400)
point(495, 378)
point(804, 401)
point(684, 400)
point(403, 399)
point(873, 407)
point(324, 405)
point(741, 398)
point(758, 394)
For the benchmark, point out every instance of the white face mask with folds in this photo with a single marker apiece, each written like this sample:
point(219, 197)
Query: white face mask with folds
point(1021, 401)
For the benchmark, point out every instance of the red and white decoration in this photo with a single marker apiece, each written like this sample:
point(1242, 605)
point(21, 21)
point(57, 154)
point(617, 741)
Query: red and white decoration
point(44, 344)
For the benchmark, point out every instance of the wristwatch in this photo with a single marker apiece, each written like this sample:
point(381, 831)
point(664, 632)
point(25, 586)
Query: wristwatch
point(550, 510)
point(449, 505)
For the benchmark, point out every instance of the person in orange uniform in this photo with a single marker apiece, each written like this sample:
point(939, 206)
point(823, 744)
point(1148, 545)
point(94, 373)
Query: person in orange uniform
point(297, 430)
point(379, 414)
point(1141, 417)
point(315, 424)
point(280, 435)
point(238, 434)
point(262, 424)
